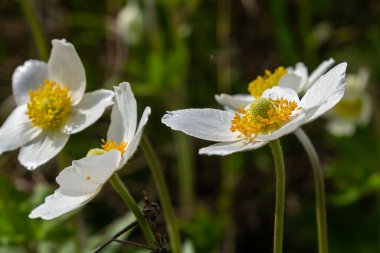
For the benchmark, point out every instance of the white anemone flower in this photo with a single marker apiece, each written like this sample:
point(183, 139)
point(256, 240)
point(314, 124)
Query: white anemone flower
point(51, 105)
point(277, 112)
point(296, 78)
point(355, 108)
point(82, 181)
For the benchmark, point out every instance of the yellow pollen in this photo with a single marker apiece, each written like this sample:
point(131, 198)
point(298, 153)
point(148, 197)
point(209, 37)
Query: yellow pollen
point(49, 106)
point(261, 83)
point(262, 117)
point(111, 144)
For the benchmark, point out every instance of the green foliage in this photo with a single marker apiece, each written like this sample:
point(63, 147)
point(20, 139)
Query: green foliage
point(204, 230)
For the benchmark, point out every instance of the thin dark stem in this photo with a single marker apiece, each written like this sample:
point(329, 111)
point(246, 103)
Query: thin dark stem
point(134, 244)
point(113, 238)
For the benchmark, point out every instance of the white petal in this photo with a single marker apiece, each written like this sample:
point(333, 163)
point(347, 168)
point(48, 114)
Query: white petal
point(207, 124)
point(286, 129)
point(291, 81)
point(116, 130)
point(86, 175)
point(58, 204)
point(66, 68)
point(234, 102)
point(17, 130)
point(301, 71)
point(42, 149)
point(124, 114)
point(227, 148)
point(26, 77)
point(326, 92)
point(319, 71)
point(281, 92)
point(89, 110)
point(134, 143)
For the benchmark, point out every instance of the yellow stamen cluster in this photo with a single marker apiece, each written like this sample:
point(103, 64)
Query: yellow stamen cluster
point(261, 83)
point(111, 144)
point(262, 117)
point(49, 106)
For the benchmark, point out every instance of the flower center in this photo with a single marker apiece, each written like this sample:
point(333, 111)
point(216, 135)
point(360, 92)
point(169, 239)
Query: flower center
point(262, 117)
point(261, 83)
point(111, 144)
point(49, 106)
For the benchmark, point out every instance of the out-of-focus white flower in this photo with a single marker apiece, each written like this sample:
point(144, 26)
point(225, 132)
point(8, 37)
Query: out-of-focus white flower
point(51, 105)
point(355, 107)
point(322, 32)
point(296, 78)
point(278, 111)
point(82, 181)
point(130, 23)
point(188, 247)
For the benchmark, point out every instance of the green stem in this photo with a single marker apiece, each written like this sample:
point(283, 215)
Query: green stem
point(185, 173)
point(163, 193)
point(128, 199)
point(280, 195)
point(319, 189)
point(77, 240)
point(39, 38)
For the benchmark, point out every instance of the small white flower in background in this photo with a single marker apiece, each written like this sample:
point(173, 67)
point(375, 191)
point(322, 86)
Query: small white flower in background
point(51, 105)
point(188, 247)
point(296, 78)
point(277, 112)
point(322, 32)
point(130, 23)
point(82, 181)
point(354, 109)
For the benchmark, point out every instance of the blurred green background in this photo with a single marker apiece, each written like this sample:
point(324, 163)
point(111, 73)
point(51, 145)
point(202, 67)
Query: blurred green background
point(178, 54)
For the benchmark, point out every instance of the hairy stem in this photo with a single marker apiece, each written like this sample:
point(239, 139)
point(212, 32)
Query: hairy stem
point(280, 195)
point(319, 189)
point(38, 35)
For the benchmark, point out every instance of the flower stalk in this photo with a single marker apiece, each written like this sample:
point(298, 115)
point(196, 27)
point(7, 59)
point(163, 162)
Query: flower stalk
point(319, 189)
point(280, 195)
point(163, 193)
point(185, 174)
point(128, 199)
point(38, 35)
